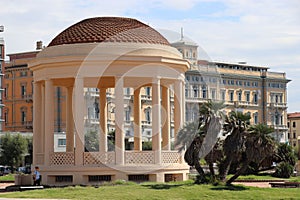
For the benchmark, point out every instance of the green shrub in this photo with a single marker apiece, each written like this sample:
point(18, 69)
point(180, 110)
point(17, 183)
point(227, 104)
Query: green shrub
point(283, 170)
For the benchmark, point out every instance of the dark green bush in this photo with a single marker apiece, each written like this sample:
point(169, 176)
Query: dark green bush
point(283, 170)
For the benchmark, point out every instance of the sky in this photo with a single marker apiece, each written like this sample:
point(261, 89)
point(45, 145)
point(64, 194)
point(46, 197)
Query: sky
point(259, 32)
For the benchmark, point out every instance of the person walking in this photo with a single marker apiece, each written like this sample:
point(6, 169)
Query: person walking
point(36, 176)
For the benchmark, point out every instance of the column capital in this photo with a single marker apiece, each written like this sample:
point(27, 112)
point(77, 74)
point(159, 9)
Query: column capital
point(156, 79)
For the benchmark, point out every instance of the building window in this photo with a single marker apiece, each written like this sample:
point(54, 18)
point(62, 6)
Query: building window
point(23, 116)
point(127, 114)
point(23, 73)
point(6, 91)
point(276, 98)
point(186, 91)
point(213, 94)
point(148, 91)
point(204, 94)
point(276, 119)
point(148, 114)
point(248, 97)
point(288, 124)
point(23, 90)
point(294, 135)
point(127, 91)
point(6, 117)
point(255, 118)
point(61, 142)
point(255, 98)
point(240, 96)
point(223, 95)
point(96, 109)
point(294, 124)
point(196, 91)
point(231, 96)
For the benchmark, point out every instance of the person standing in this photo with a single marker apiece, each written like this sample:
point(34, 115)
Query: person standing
point(36, 176)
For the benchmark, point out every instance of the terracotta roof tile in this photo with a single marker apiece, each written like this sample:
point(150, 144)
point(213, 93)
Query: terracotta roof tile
point(109, 29)
point(294, 115)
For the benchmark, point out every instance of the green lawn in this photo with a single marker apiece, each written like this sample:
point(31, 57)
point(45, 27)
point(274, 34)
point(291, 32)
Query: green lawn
point(183, 190)
point(8, 177)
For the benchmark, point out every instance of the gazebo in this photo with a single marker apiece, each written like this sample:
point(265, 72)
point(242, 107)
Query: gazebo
point(102, 53)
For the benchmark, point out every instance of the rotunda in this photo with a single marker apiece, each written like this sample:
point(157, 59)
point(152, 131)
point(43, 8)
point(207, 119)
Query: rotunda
point(102, 57)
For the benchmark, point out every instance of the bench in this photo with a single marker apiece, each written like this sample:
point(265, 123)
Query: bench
point(286, 185)
point(23, 188)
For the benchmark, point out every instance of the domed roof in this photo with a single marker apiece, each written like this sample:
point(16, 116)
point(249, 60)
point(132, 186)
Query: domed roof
point(109, 29)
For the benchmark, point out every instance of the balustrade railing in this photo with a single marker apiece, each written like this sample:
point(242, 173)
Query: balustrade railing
point(62, 158)
point(98, 158)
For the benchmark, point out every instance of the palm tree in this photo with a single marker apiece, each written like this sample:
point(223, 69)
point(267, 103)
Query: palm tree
point(200, 137)
point(258, 146)
point(235, 128)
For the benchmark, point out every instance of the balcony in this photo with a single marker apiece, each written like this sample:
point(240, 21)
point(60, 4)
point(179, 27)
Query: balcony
point(146, 97)
point(92, 121)
point(277, 105)
point(279, 127)
point(24, 124)
point(240, 104)
point(196, 100)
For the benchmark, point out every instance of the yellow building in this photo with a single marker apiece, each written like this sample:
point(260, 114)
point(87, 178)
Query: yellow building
point(246, 88)
point(294, 130)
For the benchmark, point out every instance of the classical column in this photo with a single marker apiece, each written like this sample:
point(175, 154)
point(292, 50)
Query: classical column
point(103, 120)
point(37, 122)
point(137, 120)
point(42, 139)
point(182, 103)
point(79, 109)
point(119, 120)
point(70, 121)
point(177, 106)
point(49, 120)
point(165, 118)
point(156, 121)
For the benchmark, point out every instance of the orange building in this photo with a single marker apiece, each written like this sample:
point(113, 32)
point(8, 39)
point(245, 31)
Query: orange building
point(18, 93)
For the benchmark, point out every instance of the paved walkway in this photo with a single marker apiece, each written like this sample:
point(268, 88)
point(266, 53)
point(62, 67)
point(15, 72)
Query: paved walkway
point(254, 184)
point(4, 185)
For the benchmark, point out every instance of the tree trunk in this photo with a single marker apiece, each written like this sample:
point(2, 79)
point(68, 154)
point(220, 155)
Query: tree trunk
point(224, 168)
point(200, 170)
point(238, 173)
point(211, 168)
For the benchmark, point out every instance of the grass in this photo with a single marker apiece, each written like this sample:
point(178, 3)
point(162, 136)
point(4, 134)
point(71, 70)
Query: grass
point(174, 190)
point(8, 177)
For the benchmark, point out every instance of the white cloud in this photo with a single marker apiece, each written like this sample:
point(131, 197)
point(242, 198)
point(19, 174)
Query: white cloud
point(265, 32)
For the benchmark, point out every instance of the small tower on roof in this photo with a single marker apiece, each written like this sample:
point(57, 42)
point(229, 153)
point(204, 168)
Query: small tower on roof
point(187, 48)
